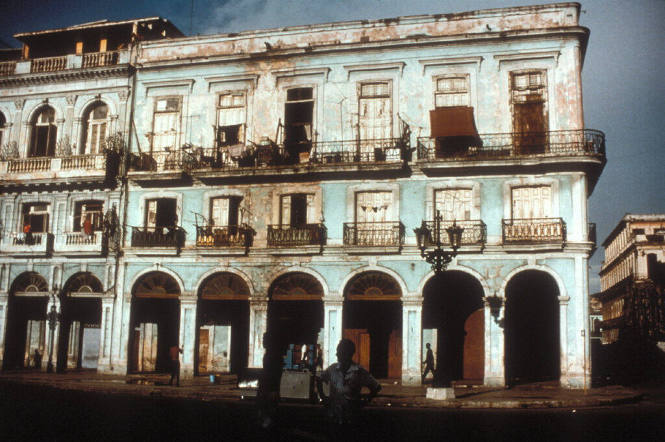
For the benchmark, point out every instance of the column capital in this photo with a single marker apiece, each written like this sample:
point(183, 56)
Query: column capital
point(187, 298)
point(563, 300)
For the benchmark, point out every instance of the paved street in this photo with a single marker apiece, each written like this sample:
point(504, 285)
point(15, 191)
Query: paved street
point(31, 411)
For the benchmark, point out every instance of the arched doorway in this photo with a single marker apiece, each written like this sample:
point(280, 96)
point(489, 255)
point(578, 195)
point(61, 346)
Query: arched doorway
point(372, 319)
point(223, 324)
point(155, 322)
point(295, 313)
point(532, 328)
point(453, 321)
point(25, 336)
point(79, 338)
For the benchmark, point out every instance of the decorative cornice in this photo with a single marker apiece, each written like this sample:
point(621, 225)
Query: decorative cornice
point(66, 75)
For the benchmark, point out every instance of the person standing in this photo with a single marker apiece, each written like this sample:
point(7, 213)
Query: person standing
point(174, 359)
point(267, 396)
point(429, 362)
point(346, 380)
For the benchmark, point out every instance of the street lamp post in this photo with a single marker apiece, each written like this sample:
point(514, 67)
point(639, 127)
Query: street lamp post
point(439, 259)
point(53, 318)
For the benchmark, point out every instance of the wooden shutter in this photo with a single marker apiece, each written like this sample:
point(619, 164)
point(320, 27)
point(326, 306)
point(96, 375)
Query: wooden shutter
point(454, 204)
point(374, 112)
point(151, 214)
point(219, 212)
point(285, 214)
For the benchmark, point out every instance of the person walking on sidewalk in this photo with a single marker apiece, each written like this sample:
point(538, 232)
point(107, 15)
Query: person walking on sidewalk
point(174, 359)
point(429, 362)
point(346, 380)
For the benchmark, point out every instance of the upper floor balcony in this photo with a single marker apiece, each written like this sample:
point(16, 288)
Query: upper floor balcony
point(168, 240)
point(26, 244)
point(474, 233)
point(286, 236)
point(80, 243)
point(380, 236)
point(270, 159)
point(49, 169)
point(226, 239)
point(64, 63)
point(531, 231)
point(564, 146)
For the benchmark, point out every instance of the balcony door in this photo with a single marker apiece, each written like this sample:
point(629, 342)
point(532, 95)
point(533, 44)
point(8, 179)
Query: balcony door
point(166, 124)
point(453, 204)
point(531, 202)
point(374, 207)
point(44, 134)
point(92, 211)
point(37, 217)
point(298, 121)
point(161, 213)
point(297, 210)
point(529, 99)
point(374, 116)
point(96, 128)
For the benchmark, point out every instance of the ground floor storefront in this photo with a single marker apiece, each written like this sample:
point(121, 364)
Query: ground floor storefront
point(491, 322)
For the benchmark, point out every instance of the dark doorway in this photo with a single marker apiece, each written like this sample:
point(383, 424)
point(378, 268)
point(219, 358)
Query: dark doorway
point(376, 329)
point(222, 324)
point(298, 117)
point(453, 307)
point(81, 319)
point(154, 328)
point(26, 332)
point(532, 328)
point(529, 99)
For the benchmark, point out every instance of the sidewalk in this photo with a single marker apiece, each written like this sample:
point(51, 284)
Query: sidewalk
point(541, 395)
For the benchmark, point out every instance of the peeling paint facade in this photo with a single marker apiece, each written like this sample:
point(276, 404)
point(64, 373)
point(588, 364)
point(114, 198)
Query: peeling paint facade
point(274, 179)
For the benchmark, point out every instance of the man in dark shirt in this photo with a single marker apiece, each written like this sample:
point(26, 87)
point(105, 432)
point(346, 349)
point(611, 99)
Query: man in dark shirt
point(174, 359)
point(429, 361)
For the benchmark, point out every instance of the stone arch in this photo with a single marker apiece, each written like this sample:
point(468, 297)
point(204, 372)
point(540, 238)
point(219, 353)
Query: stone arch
point(386, 270)
point(30, 282)
point(156, 284)
point(224, 286)
point(296, 285)
point(542, 268)
point(174, 275)
point(242, 275)
point(456, 267)
point(373, 285)
point(83, 106)
point(83, 283)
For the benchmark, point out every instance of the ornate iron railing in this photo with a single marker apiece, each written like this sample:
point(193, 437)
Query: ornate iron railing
point(48, 64)
point(584, 142)
point(158, 237)
point(387, 233)
point(358, 151)
point(534, 230)
point(161, 161)
point(97, 59)
point(475, 232)
point(296, 236)
point(224, 236)
point(7, 68)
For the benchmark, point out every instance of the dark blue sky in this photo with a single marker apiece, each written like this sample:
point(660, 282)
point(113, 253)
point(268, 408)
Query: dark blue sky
point(624, 95)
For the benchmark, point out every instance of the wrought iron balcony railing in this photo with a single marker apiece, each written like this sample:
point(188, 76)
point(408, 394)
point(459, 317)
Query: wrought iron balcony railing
point(358, 151)
point(386, 234)
point(97, 59)
point(583, 142)
point(224, 236)
point(297, 236)
point(534, 230)
point(388, 150)
point(158, 237)
point(474, 233)
point(171, 160)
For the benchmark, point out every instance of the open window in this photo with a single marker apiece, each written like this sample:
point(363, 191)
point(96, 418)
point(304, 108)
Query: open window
point(297, 210)
point(166, 123)
point(44, 133)
point(453, 204)
point(529, 100)
point(231, 119)
point(35, 217)
point(161, 213)
point(452, 121)
point(224, 211)
point(88, 215)
point(298, 120)
point(3, 124)
point(96, 125)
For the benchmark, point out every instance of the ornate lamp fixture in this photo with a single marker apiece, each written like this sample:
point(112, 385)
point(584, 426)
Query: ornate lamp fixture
point(495, 303)
point(438, 258)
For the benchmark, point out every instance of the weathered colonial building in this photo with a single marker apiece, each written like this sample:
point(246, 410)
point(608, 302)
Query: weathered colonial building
point(64, 114)
point(632, 280)
point(274, 179)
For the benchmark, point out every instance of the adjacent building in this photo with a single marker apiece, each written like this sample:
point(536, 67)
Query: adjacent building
point(272, 180)
point(632, 280)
